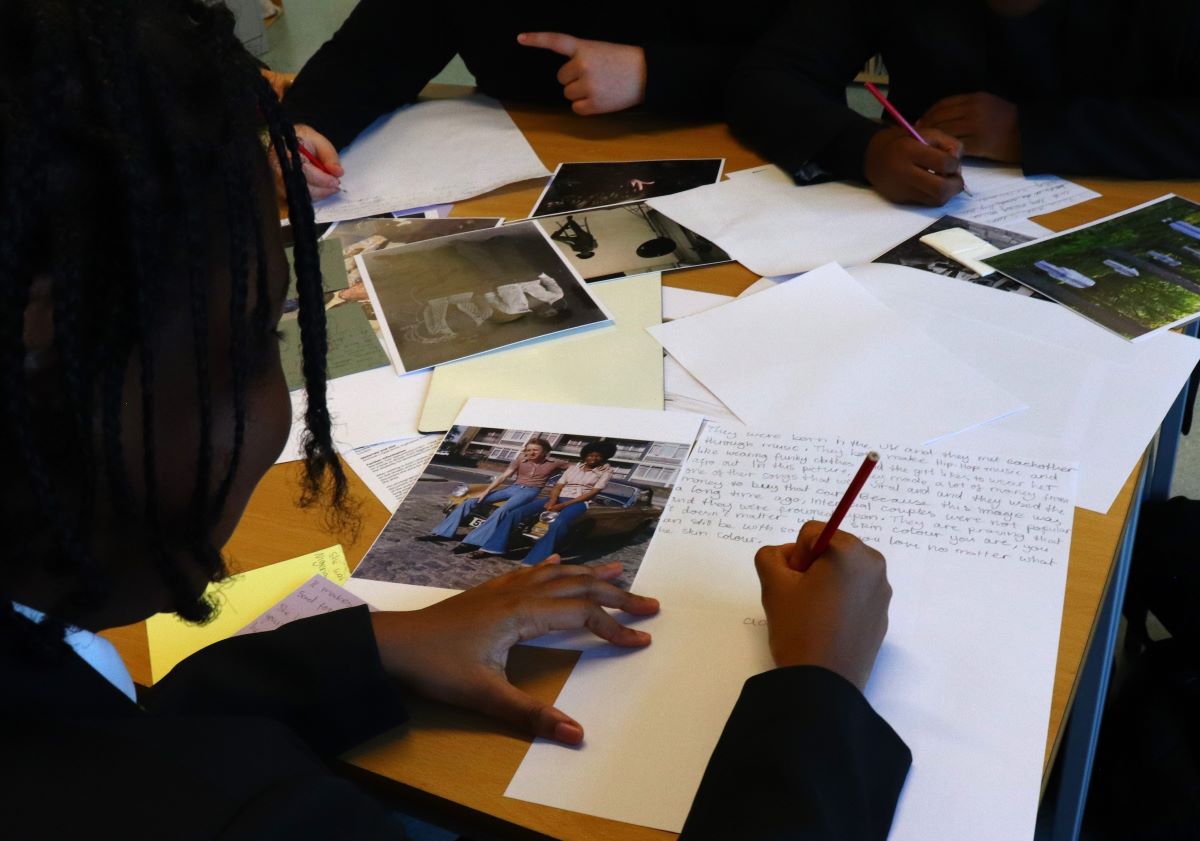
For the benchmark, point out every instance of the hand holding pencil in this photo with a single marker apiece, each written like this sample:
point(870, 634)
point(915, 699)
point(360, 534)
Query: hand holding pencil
point(833, 616)
point(320, 164)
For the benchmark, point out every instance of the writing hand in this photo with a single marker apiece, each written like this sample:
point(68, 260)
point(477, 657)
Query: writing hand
point(455, 651)
point(834, 615)
point(599, 77)
point(902, 169)
point(320, 184)
point(987, 125)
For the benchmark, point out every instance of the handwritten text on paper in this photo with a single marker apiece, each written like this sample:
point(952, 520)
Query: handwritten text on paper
point(759, 487)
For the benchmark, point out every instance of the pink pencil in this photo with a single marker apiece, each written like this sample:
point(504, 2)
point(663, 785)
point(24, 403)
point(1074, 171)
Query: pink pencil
point(899, 118)
point(839, 513)
point(895, 115)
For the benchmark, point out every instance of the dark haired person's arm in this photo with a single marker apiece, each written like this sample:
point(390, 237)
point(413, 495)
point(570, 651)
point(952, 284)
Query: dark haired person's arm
point(298, 675)
point(686, 77)
point(379, 60)
point(1133, 137)
point(802, 756)
point(787, 98)
point(1094, 134)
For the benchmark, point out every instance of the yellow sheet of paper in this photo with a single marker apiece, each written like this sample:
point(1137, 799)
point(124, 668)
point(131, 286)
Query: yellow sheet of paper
point(622, 366)
point(242, 598)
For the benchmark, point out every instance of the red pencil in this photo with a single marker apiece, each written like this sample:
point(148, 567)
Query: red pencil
point(839, 513)
point(312, 159)
point(899, 118)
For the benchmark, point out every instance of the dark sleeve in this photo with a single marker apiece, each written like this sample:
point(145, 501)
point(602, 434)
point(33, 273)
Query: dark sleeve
point(1133, 137)
point(688, 79)
point(379, 60)
point(319, 676)
point(787, 99)
point(803, 756)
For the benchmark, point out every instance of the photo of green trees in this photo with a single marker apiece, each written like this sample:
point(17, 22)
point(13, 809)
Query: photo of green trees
point(1134, 273)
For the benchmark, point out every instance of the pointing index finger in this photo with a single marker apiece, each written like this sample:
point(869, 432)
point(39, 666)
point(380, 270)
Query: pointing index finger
point(558, 42)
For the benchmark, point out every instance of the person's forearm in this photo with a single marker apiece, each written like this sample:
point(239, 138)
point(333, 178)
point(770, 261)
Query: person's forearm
point(1132, 137)
point(379, 60)
point(294, 674)
point(802, 756)
point(787, 98)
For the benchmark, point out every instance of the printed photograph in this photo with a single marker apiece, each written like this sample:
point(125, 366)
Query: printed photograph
point(457, 296)
point(627, 240)
point(493, 500)
point(1134, 273)
point(917, 255)
point(580, 186)
point(352, 329)
point(378, 232)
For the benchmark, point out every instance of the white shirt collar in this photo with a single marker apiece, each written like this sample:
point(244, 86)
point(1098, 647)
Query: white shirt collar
point(95, 650)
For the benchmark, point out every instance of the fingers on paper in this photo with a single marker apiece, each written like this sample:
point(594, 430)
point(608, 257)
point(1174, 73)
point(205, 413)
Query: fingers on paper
point(557, 42)
point(546, 615)
point(528, 713)
point(601, 592)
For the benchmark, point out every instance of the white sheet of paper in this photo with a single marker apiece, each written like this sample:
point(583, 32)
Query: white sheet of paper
point(773, 227)
point(314, 597)
point(367, 408)
point(390, 470)
point(437, 151)
point(1001, 195)
point(683, 393)
point(1093, 396)
point(964, 685)
point(998, 194)
point(821, 353)
point(680, 303)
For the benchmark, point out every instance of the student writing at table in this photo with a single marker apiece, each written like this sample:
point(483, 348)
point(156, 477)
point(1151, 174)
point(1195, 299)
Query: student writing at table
point(144, 399)
point(671, 58)
point(1072, 87)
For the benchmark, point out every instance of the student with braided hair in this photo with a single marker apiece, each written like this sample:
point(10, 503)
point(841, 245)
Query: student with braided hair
point(143, 399)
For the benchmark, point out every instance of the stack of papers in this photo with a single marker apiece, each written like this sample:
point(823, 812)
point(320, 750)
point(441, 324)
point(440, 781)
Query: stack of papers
point(966, 686)
point(771, 226)
point(820, 353)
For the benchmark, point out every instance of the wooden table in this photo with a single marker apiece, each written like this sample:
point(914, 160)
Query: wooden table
point(454, 766)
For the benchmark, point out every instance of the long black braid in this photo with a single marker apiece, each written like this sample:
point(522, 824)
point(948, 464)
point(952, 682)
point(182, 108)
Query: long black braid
point(128, 133)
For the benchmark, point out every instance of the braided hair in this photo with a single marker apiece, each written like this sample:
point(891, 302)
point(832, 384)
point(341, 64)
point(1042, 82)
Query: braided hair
point(129, 151)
